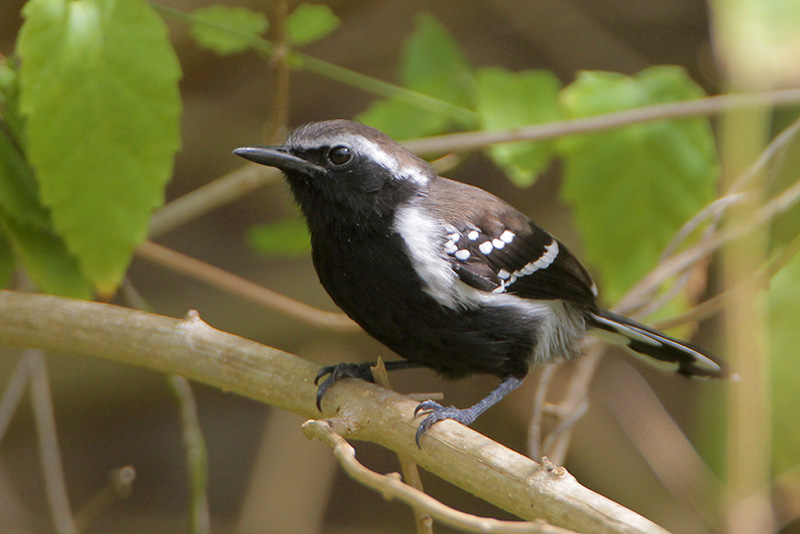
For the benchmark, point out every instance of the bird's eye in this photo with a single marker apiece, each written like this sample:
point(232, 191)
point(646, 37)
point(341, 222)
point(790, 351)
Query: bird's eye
point(339, 155)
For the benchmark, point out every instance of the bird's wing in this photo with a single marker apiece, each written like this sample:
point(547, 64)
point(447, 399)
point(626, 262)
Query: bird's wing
point(513, 255)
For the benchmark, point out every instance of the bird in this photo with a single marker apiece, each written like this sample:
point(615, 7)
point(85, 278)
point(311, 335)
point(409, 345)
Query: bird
point(445, 274)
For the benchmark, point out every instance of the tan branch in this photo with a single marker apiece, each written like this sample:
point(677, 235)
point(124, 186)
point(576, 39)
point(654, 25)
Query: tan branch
point(193, 349)
point(461, 142)
point(391, 487)
point(244, 288)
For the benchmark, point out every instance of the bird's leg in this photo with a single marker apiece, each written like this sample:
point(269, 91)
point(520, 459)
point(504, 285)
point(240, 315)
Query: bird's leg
point(353, 370)
point(436, 412)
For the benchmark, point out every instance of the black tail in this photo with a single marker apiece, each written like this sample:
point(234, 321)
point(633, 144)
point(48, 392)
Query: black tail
point(657, 349)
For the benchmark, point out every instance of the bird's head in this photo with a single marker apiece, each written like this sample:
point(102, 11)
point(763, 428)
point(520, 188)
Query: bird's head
point(341, 169)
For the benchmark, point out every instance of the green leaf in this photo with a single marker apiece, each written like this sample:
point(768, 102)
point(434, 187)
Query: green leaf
point(227, 30)
point(46, 260)
point(99, 83)
point(281, 239)
point(6, 260)
point(631, 188)
point(19, 195)
point(508, 100)
point(432, 64)
point(784, 294)
point(309, 23)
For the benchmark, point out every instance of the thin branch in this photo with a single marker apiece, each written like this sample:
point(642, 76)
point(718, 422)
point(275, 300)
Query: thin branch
point(659, 440)
point(391, 487)
point(466, 141)
point(714, 304)
point(12, 397)
point(537, 413)
point(668, 267)
point(120, 486)
point(716, 209)
point(422, 519)
point(279, 70)
point(336, 72)
point(196, 459)
point(574, 403)
point(244, 288)
point(53, 470)
point(213, 195)
point(193, 349)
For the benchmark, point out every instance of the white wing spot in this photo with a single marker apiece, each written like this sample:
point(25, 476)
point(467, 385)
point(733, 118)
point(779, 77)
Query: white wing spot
point(463, 254)
point(503, 274)
point(486, 247)
point(507, 236)
point(498, 243)
point(550, 253)
point(473, 235)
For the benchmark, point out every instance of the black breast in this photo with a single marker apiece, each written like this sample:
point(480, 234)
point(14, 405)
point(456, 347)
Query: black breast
point(372, 280)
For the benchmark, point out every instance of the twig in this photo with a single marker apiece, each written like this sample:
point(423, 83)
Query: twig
point(466, 141)
point(659, 439)
point(574, 403)
point(244, 288)
point(193, 349)
point(537, 413)
point(714, 304)
point(422, 519)
point(53, 470)
point(211, 196)
point(196, 459)
point(673, 265)
point(716, 209)
point(120, 485)
point(12, 397)
point(337, 73)
point(391, 487)
point(687, 258)
point(279, 67)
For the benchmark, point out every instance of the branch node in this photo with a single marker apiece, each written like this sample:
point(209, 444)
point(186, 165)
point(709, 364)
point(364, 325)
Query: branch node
point(555, 471)
point(191, 318)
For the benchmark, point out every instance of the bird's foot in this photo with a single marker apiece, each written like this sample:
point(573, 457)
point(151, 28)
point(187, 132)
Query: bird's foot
point(339, 371)
point(436, 412)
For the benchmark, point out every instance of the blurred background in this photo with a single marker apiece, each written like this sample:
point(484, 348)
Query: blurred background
point(263, 474)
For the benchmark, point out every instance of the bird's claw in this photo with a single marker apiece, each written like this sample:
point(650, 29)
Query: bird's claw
point(336, 373)
point(436, 412)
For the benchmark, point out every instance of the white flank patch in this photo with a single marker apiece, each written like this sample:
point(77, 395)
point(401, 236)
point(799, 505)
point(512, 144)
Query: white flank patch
point(423, 237)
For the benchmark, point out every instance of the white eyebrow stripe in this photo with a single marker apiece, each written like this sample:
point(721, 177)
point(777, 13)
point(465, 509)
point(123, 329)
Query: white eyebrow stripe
point(372, 150)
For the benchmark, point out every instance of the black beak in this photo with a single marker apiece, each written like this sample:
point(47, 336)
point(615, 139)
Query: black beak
point(277, 156)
